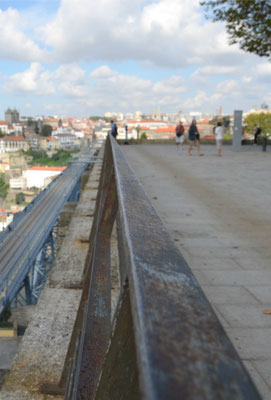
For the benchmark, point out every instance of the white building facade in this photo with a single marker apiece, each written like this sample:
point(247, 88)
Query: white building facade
point(38, 176)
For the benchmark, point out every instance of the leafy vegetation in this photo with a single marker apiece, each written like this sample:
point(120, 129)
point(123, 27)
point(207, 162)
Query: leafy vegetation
point(19, 198)
point(262, 120)
point(248, 22)
point(3, 187)
point(225, 121)
point(46, 130)
point(58, 159)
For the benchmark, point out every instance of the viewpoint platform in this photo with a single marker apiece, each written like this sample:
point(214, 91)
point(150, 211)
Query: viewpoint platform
point(218, 211)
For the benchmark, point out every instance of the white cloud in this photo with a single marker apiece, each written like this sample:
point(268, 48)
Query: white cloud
point(14, 44)
point(164, 33)
point(227, 86)
point(202, 99)
point(216, 70)
point(264, 69)
point(71, 80)
point(35, 80)
point(172, 86)
point(106, 87)
point(164, 37)
point(103, 72)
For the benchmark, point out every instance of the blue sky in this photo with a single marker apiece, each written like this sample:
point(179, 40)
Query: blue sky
point(70, 58)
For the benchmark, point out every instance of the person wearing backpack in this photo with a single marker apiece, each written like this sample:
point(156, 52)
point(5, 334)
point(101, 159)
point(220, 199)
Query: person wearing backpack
point(179, 135)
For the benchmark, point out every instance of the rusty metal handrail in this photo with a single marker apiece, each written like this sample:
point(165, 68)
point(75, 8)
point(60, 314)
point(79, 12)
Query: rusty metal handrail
point(166, 342)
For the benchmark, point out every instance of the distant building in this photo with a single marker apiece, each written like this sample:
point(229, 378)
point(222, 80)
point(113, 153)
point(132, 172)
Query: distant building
point(18, 183)
point(49, 143)
point(12, 116)
point(53, 122)
point(38, 176)
point(66, 140)
point(12, 144)
point(4, 126)
point(33, 140)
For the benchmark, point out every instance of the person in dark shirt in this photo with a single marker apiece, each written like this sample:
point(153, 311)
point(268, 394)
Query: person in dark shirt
point(114, 129)
point(193, 136)
point(257, 132)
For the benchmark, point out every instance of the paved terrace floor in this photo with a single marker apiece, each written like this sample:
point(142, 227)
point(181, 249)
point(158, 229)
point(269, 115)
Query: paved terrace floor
point(218, 211)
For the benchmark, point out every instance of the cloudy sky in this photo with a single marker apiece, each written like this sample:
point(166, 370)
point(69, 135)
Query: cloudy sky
point(82, 58)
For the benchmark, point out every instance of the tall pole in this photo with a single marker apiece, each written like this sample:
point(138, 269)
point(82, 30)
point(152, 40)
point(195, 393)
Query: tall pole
point(237, 131)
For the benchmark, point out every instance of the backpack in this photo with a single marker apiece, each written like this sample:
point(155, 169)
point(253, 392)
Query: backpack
point(179, 130)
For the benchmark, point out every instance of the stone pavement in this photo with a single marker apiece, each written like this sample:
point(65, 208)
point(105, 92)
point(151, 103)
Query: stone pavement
point(218, 211)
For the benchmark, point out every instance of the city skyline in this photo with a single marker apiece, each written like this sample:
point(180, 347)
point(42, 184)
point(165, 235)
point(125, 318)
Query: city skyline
point(85, 59)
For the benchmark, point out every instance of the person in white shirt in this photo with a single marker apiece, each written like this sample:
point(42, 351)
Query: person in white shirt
point(219, 133)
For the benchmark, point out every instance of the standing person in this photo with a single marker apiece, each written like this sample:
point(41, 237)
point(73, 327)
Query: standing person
point(257, 132)
point(193, 136)
point(179, 135)
point(114, 129)
point(94, 136)
point(219, 133)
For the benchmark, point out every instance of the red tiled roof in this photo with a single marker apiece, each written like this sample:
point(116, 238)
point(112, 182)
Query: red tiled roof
point(45, 168)
point(166, 129)
point(14, 138)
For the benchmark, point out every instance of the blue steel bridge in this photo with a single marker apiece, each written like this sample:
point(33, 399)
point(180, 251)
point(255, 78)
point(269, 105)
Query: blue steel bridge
point(27, 247)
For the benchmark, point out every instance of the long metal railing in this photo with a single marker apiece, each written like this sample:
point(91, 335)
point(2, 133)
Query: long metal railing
point(165, 341)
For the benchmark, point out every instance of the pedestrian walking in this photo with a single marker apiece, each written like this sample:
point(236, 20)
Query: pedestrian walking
point(194, 138)
point(179, 135)
point(219, 134)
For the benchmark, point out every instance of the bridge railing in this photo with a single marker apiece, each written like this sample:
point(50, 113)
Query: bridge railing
point(165, 341)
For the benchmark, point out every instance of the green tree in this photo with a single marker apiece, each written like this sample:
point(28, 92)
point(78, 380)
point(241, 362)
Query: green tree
point(19, 198)
point(1, 133)
point(137, 131)
point(262, 120)
point(143, 136)
point(248, 22)
point(36, 128)
point(95, 118)
point(3, 187)
point(30, 122)
point(46, 130)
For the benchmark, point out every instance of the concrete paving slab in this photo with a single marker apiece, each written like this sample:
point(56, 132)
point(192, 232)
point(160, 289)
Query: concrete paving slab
point(264, 368)
point(251, 343)
point(217, 210)
point(239, 316)
point(229, 295)
point(218, 264)
point(262, 385)
point(262, 293)
point(235, 277)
